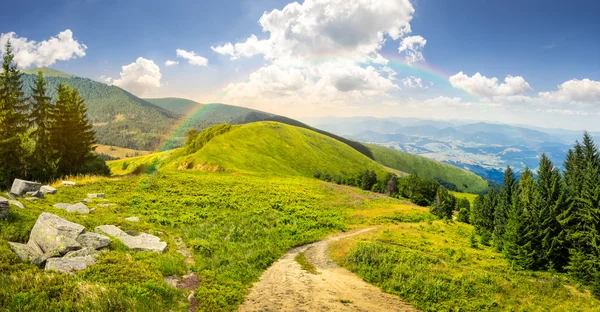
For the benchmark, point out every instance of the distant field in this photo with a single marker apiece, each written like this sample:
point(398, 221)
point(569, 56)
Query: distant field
point(470, 197)
point(120, 152)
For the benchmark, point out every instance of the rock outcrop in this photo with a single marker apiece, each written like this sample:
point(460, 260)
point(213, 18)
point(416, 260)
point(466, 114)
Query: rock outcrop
point(93, 240)
point(141, 242)
point(69, 265)
point(21, 187)
point(51, 232)
point(35, 194)
point(47, 189)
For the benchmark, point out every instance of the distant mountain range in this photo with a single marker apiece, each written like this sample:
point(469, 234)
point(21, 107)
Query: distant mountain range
point(482, 148)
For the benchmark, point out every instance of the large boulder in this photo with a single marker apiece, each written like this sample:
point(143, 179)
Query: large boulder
point(21, 187)
point(24, 252)
point(141, 242)
point(52, 233)
point(93, 240)
point(47, 189)
point(79, 208)
point(4, 208)
point(69, 265)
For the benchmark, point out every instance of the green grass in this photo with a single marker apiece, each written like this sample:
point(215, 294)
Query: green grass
point(236, 224)
point(305, 264)
point(468, 196)
point(464, 180)
point(432, 266)
point(47, 72)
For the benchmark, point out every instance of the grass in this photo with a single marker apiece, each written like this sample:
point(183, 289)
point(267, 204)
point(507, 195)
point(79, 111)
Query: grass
point(468, 196)
point(305, 264)
point(464, 180)
point(119, 152)
point(236, 224)
point(432, 266)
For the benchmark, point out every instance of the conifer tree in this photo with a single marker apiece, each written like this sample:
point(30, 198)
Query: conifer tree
point(13, 113)
point(42, 109)
point(443, 204)
point(504, 205)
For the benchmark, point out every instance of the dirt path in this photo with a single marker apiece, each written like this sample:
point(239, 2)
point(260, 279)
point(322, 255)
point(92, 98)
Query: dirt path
point(286, 287)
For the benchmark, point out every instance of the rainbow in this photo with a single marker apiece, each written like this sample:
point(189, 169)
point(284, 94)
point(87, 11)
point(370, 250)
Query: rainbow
point(423, 70)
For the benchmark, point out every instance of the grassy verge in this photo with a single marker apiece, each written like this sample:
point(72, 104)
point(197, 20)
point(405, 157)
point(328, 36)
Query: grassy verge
point(305, 264)
point(432, 266)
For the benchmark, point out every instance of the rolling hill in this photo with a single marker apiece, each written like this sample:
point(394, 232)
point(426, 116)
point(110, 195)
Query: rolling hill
point(175, 105)
point(464, 181)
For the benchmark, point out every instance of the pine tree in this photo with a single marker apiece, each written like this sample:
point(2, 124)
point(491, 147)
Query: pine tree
point(551, 202)
point(504, 205)
point(42, 110)
point(13, 113)
point(518, 246)
point(443, 204)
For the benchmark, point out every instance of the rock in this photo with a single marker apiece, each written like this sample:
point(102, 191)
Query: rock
point(132, 219)
point(52, 232)
point(24, 252)
point(87, 200)
point(31, 198)
point(16, 203)
point(68, 183)
point(36, 194)
point(96, 195)
point(21, 187)
point(79, 207)
point(106, 205)
point(47, 189)
point(93, 240)
point(62, 206)
point(69, 265)
point(4, 208)
point(81, 253)
point(141, 242)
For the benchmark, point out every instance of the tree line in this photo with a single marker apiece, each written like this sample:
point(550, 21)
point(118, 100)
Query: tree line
point(550, 220)
point(40, 139)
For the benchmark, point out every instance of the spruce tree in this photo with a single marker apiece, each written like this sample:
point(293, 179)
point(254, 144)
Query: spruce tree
point(504, 205)
point(42, 110)
point(13, 113)
point(443, 204)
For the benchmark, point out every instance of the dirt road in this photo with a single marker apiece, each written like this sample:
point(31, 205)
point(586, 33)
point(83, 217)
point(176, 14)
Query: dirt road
point(285, 286)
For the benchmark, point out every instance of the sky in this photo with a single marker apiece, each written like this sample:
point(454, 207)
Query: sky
point(522, 62)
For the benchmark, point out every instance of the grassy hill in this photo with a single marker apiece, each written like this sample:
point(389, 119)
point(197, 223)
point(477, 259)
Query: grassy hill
point(48, 72)
point(274, 148)
point(464, 181)
point(175, 105)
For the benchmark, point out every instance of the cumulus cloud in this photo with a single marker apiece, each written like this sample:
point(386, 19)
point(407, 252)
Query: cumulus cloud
point(412, 82)
point(106, 80)
point(192, 57)
point(140, 77)
point(584, 91)
point(329, 47)
point(480, 85)
point(412, 47)
point(171, 63)
point(62, 47)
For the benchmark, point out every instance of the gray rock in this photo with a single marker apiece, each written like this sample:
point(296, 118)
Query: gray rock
point(87, 200)
point(81, 253)
point(4, 208)
point(93, 240)
point(24, 252)
point(36, 194)
point(69, 265)
point(16, 203)
point(21, 187)
point(52, 232)
point(106, 205)
point(68, 183)
point(141, 242)
point(62, 206)
point(132, 219)
point(79, 208)
point(96, 195)
point(47, 189)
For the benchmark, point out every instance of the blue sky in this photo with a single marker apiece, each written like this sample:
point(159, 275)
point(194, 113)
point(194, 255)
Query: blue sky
point(543, 43)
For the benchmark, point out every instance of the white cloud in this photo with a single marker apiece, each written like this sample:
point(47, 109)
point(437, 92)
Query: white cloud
point(62, 47)
point(106, 80)
point(480, 85)
point(192, 57)
point(330, 49)
point(575, 91)
point(412, 47)
point(412, 82)
point(141, 77)
point(568, 112)
point(171, 63)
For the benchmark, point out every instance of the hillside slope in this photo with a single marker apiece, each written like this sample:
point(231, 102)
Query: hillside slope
point(464, 181)
point(174, 105)
point(119, 117)
point(276, 148)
